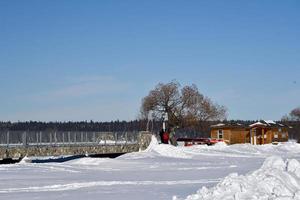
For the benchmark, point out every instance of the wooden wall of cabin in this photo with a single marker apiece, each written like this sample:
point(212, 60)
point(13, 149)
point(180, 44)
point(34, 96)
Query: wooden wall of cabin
point(280, 135)
point(226, 134)
point(214, 134)
point(239, 136)
point(236, 136)
point(269, 136)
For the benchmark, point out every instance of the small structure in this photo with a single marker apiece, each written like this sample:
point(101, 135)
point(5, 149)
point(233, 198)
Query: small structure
point(262, 132)
point(265, 132)
point(231, 133)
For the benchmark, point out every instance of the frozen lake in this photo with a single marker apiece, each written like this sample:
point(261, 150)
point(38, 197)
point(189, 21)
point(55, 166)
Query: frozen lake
point(160, 172)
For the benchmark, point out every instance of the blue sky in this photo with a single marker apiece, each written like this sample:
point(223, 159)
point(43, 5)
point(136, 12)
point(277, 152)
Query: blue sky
point(96, 60)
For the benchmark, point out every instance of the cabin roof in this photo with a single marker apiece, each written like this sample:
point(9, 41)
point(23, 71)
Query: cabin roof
point(228, 125)
point(267, 123)
point(261, 123)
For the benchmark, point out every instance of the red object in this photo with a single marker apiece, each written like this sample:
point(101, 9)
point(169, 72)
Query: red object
point(166, 138)
point(198, 141)
point(214, 141)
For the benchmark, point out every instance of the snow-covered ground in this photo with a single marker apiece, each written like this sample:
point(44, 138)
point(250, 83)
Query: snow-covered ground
point(276, 179)
point(162, 172)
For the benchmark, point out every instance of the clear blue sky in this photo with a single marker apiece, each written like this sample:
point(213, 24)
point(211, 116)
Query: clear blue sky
point(95, 60)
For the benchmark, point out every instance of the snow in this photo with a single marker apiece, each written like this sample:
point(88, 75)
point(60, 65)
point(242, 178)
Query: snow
point(276, 179)
point(160, 172)
point(217, 125)
point(257, 124)
point(270, 122)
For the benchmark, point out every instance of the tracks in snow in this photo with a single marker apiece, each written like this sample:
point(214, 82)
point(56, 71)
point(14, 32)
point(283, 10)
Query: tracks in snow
point(75, 186)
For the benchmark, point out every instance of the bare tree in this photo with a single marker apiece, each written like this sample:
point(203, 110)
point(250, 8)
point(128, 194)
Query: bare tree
point(185, 106)
point(294, 115)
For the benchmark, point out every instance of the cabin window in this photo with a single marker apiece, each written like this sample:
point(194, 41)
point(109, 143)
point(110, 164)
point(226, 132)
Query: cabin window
point(220, 134)
point(283, 135)
point(280, 130)
point(275, 135)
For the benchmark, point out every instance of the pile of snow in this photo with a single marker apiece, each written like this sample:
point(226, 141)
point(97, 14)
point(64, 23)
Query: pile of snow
point(287, 149)
point(25, 160)
point(153, 143)
point(276, 179)
point(155, 149)
point(166, 150)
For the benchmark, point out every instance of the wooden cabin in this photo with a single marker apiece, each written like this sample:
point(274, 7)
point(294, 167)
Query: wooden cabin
point(230, 133)
point(265, 132)
point(262, 132)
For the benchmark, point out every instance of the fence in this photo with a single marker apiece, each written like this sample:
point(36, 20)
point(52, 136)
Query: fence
point(63, 138)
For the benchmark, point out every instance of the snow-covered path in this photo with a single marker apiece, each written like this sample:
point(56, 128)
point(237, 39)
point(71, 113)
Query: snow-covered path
point(161, 172)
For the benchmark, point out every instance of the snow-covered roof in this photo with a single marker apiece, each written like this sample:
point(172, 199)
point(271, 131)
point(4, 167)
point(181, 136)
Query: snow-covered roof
point(227, 125)
point(258, 124)
point(270, 122)
point(217, 125)
point(261, 123)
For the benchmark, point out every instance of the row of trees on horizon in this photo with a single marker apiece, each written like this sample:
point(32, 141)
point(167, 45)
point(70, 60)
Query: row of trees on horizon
point(201, 129)
point(184, 107)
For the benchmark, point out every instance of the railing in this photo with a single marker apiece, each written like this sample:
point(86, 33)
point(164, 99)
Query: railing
point(65, 138)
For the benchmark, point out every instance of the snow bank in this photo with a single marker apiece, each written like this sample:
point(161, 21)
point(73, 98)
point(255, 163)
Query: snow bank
point(155, 149)
point(287, 149)
point(166, 149)
point(25, 160)
point(276, 179)
point(153, 143)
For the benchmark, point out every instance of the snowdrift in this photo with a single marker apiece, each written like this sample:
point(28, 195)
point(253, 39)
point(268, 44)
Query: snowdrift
point(155, 149)
point(276, 179)
point(166, 149)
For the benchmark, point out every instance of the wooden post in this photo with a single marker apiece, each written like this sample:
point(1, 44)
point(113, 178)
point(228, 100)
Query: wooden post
point(255, 138)
point(263, 135)
point(251, 137)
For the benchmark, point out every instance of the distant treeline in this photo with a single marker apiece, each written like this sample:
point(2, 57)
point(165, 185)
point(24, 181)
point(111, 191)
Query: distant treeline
point(113, 126)
point(202, 129)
